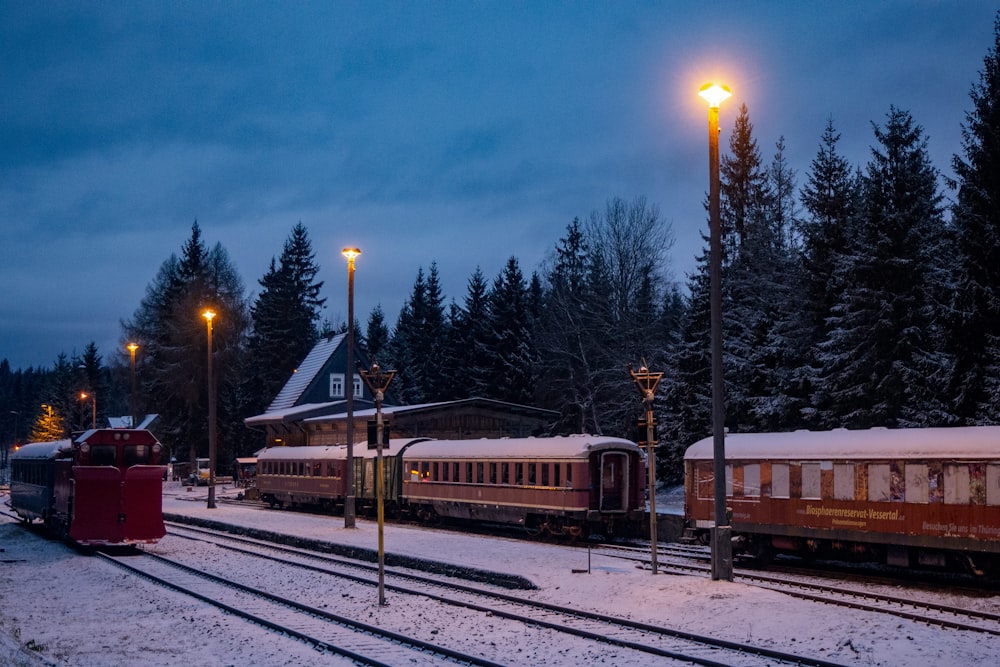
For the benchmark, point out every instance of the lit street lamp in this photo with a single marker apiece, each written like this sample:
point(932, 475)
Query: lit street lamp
point(378, 381)
point(209, 315)
point(93, 406)
point(132, 347)
point(722, 548)
point(350, 254)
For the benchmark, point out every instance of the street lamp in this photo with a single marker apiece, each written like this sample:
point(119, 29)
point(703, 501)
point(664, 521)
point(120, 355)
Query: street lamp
point(722, 548)
point(647, 381)
point(378, 381)
point(93, 406)
point(209, 315)
point(132, 347)
point(350, 254)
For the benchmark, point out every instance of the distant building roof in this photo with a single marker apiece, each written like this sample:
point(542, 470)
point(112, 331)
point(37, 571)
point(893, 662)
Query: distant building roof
point(305, 373)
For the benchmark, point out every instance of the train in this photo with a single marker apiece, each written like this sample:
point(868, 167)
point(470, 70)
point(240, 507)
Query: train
point(562, 486)
point(912, 498)
point(101, 487)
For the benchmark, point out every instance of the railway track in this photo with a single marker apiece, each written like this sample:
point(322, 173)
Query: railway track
point(807, 587)
point(598, 636)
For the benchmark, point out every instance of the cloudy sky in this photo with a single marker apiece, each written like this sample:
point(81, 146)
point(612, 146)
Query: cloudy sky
point(456, 132)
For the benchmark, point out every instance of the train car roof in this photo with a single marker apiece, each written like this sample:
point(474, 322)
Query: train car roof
point(973, 442)
point(571, 446)
point(303, 453)
point(41, 450)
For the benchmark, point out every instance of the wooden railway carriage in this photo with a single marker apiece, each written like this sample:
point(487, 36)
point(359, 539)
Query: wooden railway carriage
point(297, 476)
point(906, 496)
point(103, 487)
point(568, 484)
point(563, 484)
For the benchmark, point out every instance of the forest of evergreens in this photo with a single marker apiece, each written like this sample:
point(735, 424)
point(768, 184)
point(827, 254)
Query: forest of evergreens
point(854, 295)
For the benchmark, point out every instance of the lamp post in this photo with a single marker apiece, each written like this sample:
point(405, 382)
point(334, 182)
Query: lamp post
point(647, 382)
point(209, 315)
point(93, 406)
point(722, 548)
point(350, 254)
point(378, 381)
point(132, 347)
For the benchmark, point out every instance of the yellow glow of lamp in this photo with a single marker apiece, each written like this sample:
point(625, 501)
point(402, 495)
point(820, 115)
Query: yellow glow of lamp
point(350, 253)
point(132, 347)
point(208, 315)
point(714, 94)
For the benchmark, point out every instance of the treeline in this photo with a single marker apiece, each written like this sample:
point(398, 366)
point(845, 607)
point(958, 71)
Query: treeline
point(859, 298)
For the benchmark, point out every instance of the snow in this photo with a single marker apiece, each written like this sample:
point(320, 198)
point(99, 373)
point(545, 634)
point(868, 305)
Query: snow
point(78, 611)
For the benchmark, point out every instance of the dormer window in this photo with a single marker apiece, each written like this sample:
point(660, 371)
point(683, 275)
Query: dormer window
point(337, 385)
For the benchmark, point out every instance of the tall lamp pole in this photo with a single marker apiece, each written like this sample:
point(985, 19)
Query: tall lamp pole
point(647, 382)
point(378, 381)
point(93, 406)
point(722, 547)
point(350, 254)
point(132, 347)
point(209, 315)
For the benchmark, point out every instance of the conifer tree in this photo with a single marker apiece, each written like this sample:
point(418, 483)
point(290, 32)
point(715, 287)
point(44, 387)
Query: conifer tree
point(975, 324)
point(284, 319)
point(509, 351)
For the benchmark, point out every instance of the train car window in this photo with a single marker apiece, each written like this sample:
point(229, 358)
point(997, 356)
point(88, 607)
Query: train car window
point(843, 481)
point(531, 474)
point(444, 472)
point(729, 479)
point(505, 473)
point(555, 474)
point(136, 455)
point(993, 484)
point(468, 472)
point(425, 468)
point(897, 483)
point(519, 474)
point(878, 482)
point(956, 484)
point(454, 471)
point(103, 455)
point(569, 474)
point(751, 480)
point(977, 483)
point(435, 476)
point(935, 483)
point(780, 480)
point(545, 474)
point(479, 472)
point(916, 483)
point(811, 481)
point(493, 472)
point(317, 469)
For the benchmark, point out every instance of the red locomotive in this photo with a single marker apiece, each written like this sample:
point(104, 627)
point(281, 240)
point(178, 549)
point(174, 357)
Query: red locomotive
point(907, 497)
point(560, 485)
point(103, 487)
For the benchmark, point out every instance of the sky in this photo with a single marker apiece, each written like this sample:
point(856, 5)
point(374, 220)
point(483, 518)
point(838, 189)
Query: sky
point(460, 133)
point(44, 579)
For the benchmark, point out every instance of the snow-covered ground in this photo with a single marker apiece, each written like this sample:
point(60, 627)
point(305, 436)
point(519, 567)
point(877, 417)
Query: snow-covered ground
point(60, 608)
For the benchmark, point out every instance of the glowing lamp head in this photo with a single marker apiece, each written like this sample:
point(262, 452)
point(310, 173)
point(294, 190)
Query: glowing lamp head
point(132, 347)
point(714, 94)
point(350, 253)
point(208, 314)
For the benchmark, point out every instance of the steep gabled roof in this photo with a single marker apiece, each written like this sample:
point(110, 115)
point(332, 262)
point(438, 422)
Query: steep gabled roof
point(307, 371)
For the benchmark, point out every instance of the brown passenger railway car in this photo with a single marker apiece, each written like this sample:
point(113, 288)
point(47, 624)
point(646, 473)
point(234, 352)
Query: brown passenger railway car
point(906, 497)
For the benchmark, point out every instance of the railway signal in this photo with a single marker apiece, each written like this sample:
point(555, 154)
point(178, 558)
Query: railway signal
point(378, 381)
point(647, 381)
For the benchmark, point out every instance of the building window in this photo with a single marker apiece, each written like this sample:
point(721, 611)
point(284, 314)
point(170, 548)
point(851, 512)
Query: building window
point(337, 385)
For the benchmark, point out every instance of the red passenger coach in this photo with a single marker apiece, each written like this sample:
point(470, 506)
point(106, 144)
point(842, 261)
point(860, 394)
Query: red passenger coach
point(907, 497)
point(102, 488)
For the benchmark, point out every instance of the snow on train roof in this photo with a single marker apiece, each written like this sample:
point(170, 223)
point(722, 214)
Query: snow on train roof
point(40, 450)
point(877, 443)
point(571, 446)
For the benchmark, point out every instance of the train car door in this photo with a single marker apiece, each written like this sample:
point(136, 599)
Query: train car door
point(614, 481)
